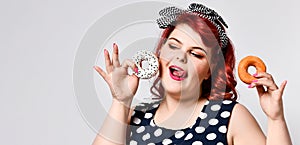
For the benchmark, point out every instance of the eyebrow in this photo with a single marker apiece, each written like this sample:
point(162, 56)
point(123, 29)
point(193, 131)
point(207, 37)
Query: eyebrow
point(172, 38)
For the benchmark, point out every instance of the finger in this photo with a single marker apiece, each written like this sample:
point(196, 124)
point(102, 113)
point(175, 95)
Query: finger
point(270, 84)
point(101, 72)
point(282, 86)
point(260, 90)
point(265, 79)
point(115, 60)
point(129, 63)
point(108, 63)
point(263, 75)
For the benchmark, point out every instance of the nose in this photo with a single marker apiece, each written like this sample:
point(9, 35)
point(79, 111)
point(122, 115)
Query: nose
point(181, 57)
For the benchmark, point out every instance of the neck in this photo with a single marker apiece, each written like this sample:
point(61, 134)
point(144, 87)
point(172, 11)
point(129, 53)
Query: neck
point(173, 102)
point(184, 111)
point(187, 99)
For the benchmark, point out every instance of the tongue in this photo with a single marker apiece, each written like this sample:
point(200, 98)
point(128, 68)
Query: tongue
point(178, 73)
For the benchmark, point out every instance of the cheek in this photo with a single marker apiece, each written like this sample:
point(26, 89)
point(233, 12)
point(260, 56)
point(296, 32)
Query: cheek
point(166, 54)
point(200, 70)
point(162, 67)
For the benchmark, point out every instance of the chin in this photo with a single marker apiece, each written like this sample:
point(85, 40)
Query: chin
point(175, 87)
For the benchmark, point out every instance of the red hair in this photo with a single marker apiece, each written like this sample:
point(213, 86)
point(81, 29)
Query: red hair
point(221, 84)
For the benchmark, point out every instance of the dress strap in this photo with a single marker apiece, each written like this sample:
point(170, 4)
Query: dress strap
point(213, 121)
point(144, 113)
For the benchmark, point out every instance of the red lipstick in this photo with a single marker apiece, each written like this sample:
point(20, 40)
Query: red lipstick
point(177, 73)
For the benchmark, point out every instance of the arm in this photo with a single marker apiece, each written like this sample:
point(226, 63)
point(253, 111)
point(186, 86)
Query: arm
point(123, 87)
point(270, 97)
point(113, 131)
point(243, 129)
point(278, 133)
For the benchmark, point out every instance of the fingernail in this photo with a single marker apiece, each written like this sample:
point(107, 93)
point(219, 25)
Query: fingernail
point(254, 81)
point(114, 44)
point(255, 74)
point(250, 86)
point(136, 70)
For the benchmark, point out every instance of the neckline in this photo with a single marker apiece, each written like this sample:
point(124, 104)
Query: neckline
point(197, 121)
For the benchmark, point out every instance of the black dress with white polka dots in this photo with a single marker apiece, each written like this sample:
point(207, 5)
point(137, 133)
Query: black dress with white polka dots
point(210, 127)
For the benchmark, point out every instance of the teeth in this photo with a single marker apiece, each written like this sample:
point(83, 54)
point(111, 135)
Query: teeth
point(176, 69)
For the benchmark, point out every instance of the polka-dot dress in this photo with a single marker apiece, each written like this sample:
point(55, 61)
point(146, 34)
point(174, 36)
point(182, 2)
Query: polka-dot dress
point(210, 127)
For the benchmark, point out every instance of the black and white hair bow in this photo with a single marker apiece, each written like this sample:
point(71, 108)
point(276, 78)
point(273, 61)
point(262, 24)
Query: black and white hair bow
point(170, 14)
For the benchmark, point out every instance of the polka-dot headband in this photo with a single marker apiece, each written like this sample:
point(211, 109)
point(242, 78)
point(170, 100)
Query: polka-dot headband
point(170, 14)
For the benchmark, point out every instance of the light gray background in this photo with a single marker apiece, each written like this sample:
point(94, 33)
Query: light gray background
point(39, 41)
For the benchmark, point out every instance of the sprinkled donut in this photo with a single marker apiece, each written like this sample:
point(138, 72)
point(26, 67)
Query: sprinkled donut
point(151, 70)
point(243, 68)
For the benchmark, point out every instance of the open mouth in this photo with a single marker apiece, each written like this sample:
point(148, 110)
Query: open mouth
point(177, 73)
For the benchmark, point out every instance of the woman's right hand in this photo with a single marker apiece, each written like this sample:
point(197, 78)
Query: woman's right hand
point(122, 85)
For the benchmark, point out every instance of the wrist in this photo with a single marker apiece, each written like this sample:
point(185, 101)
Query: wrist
point(124, 103)
point(277, 119)
point(119, 111)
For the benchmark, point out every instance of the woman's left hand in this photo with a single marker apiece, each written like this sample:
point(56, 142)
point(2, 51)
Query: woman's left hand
point(270, 95)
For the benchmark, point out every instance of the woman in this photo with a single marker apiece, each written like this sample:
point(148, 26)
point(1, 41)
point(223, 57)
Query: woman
point(197, 90)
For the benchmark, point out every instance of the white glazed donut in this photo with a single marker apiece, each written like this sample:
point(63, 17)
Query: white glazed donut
point(151, 70)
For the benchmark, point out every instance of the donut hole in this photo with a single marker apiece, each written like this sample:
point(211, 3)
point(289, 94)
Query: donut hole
point(144, 64)
point(251, 70)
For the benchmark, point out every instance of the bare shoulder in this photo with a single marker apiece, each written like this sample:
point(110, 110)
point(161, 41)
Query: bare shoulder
point(240, 112)
point(239, 118)
point(243, 127)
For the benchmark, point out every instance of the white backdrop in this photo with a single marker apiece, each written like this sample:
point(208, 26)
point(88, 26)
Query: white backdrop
point(40, 41)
